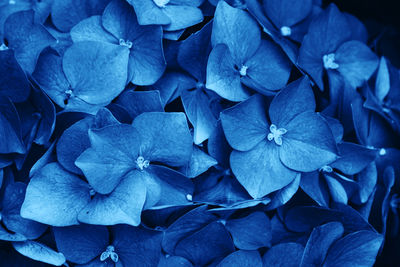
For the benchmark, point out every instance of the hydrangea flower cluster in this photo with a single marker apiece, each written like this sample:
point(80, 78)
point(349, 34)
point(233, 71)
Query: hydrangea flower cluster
point(195, 133)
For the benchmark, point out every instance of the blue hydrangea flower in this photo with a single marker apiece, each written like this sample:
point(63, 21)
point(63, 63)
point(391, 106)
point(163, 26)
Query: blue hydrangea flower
point(330, 47)
point(267, 155)
point(240, 59)
point(172, 14)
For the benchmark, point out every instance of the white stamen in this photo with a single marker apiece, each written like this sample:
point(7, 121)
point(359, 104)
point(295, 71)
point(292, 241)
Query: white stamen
point(161, 3)
point(382, 152)
point(126, 43)
point(189, 197)
point(326, 168)
point(329, 61)
point(12, 2)
point(141, 163)
point(276, 134)
point(243, 70)
point(286, 31)
point(109, 253)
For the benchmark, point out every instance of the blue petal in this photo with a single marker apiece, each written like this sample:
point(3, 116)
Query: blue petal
point(242, 258)
point(39, 252)
point(104, 118)
point(356, 62)
point(10, 215)
point(138, 102)
point(10, 129)
point(113, 152)
point(268, 68)
point(173, 261)
point(67, 13)
point(325, 34)
point(260, 170)
point(303, 219)
point(285, 194)
point(237, 29)
point(55, 197)
point(284, 254)
point(359, 31)
point(300, 150)
point(292, 100)
point(167, 188)
point(165, 137)
point(321, 238)
point(197, 107)
point(353, 158)
point(137, 246)
point(146, 61)
point(195, 3)
point(186, 225)
point(123, 206)
point(206, 244)
point(355, 249)
point(218, 146)
point(72, 143)
point(251, 232)
point(6, 235)
point(48, 116)
point(287, 12)
point(81, 243)
point(245, 125)
point(366, 180)
point(91, 29)
point(223, 190)
point(199, 163)
point(314, 186)
point(291, 50)
point(101, 74)
point(382, 83)
point(148, 13)
point(222, 77)
point(13, 82)
point(193, 53)
point(182, 16)
point(27, 38)
point(50, 76)
point(173, 35)
point(172, 84)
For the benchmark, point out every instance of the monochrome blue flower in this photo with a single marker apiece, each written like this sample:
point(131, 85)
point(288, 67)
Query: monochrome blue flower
point(238, 58)
point(198, 133)
point(267, 155)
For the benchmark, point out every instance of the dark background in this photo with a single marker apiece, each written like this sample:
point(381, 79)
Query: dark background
point(384, 11)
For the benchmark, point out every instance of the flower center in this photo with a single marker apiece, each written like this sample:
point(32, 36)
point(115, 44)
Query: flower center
point(126, 43)
point(329, 61)
point(243, 70)
point(109, 253)
point(161, 3)
point(382, 152)
point(326, 168)
point(141, 163)
point(189, 197)
point(276, 134)
point(12, 2)
point(68, 92)
point(286, 31)
point(3, 47)
point(200, 85)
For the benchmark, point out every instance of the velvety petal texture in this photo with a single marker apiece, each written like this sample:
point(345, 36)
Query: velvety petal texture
point(55, 196)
